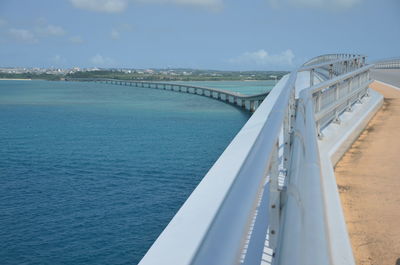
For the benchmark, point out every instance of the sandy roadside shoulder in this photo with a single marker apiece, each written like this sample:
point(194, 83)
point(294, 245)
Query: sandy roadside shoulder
point(368, 177)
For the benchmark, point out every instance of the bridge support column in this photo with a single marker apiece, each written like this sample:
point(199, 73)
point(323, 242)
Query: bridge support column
point(246, 104)
point(252, 106)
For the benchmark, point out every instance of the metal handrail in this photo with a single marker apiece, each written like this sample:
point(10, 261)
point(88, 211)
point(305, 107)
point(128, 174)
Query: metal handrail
point(305, 238)
point(330, 57)
point(336, 95)
point(392, 63)
point(240, 202)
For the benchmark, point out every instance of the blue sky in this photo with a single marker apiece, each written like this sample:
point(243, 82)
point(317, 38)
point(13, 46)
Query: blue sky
point(206, 34)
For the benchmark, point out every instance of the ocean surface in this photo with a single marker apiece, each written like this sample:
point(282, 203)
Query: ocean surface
point(92, 173)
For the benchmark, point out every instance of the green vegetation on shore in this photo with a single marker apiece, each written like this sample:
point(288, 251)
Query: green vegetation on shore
point(155, 75)
point(182, 75)
point(41, 76)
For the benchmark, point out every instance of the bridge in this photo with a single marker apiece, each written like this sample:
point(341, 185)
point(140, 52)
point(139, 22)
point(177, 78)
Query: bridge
point(247, 102)
point(272, 197)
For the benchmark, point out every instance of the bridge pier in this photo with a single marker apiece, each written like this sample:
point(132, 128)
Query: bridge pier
point(246, 104)
point(252, 106)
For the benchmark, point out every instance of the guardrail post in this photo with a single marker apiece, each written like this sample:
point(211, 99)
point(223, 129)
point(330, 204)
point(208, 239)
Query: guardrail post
point(312, 77)
point(349, 90)
point(318, 109)
point(274, 203)
point(337, 119)
point(368, 76)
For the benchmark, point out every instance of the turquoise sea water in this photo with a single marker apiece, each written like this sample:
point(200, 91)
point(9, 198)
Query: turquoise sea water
point(92, 173)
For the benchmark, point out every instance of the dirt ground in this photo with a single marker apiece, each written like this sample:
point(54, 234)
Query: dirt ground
point(368, 177)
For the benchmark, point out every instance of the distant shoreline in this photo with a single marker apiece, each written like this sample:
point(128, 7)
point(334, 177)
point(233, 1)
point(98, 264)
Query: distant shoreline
point(16, 79)
point(171, 81)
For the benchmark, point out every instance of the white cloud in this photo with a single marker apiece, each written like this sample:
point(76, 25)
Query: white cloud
point(22, 35)
point(115, 34)
point(99, 60)
point(50, 30)
point(213, 5)
point(107, 6)
point(76, 39)
point(262, 57)
point(326, 4)
point(116, 6)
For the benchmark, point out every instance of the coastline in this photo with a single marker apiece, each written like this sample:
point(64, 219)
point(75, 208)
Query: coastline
point(16, 79)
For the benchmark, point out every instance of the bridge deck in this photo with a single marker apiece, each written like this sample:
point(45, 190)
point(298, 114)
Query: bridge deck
point(390, 76)
point(368, 177)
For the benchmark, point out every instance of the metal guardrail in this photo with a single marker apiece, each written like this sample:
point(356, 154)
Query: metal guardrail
point(331, 57)
point(333, 97)
point(264, 193)
point(305, 239)
point(393, 63)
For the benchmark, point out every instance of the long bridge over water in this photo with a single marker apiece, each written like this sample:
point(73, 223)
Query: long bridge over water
point(247, 102)
point(272, 196)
